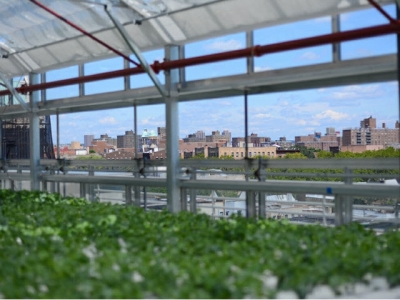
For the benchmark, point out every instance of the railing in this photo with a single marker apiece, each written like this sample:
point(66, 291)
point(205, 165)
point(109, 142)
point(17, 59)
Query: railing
point(137, 179)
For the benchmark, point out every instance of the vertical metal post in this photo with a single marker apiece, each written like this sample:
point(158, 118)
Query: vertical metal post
point(52, 184)
point(58, 134)
point(172, 130)
point(128, 195)
point(348, 200)
point(344, 204)
point(90, 186)
point(82, 190)
point(398, 69)
point(19, 182)
point(336, 53)
point(262, 212)
point(193, 192)
point(1, 141)
point(81, 73)
point(127, 79)
point(251, 204)
point(183, 199)
point(34, 135)
point(137, 167)
point(250, 196)
point(339, 210)
point(250, 59)
point(43, 95)
point(182, 71)
point(58, 146)
point(246, 125)
point(323, 210)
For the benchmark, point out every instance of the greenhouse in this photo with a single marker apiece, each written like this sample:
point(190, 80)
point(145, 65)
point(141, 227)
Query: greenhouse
point(174, 225)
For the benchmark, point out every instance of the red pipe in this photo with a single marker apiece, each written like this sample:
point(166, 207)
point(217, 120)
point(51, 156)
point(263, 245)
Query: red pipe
point(252, 51)
point(383, 12)
point(84, 32)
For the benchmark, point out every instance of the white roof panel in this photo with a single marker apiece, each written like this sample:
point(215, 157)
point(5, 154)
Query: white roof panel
point(37, 41)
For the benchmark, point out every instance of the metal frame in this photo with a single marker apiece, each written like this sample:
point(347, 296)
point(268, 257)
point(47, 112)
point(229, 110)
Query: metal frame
point(177, 89)
point(15, 171)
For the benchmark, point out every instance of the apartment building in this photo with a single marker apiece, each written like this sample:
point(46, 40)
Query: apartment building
point(368, 134)
point(319, 141)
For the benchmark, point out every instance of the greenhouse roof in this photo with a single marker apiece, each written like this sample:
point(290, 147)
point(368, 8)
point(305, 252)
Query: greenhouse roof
point(34, 40)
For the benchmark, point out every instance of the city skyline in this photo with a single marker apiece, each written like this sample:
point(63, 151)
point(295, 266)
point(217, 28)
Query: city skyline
point(288, 114)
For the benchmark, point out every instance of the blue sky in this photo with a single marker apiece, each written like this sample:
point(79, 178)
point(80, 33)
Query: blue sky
point(285, 114)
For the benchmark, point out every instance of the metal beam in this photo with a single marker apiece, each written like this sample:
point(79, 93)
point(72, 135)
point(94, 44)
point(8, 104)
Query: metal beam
point(34, 136)
point(365, 70)
point(172, 132)
point(336, 47)
point(135, 49)
point(17, 96)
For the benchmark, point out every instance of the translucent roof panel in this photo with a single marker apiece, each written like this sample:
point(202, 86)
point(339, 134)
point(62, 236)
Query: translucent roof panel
point(33, 40)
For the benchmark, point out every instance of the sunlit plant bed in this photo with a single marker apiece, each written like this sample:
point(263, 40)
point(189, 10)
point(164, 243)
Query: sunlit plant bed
point(54, 247)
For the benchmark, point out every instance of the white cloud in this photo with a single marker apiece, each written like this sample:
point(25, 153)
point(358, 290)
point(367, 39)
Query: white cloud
point(309, 55)
point(357, 92)
point(224, 45)
point(261, 116)
point(108, 120)
point(260, 69)
point(331, 114)
point(301, 122)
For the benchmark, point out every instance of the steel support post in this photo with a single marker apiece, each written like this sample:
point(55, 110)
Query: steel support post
point(182, 71)
point(262, 212)
point(193, 193)
point(52, 184)
point(348, 204)
point(19, 182)
point(81, 72)
point(90, 187)
point(398, 71)
point(184, 199)
point(250, 59)
point(58, 146)
point(336, 52)
point(34, 135)
point(43, 93)
point(137, 166)
point(344, 204)
point(82, 190)
point(172, 131)
point(1, 143)
point(127, 79)
point(251, 204)
point(128, 195)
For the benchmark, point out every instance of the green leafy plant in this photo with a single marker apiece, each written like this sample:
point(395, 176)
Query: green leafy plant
point(56, 247)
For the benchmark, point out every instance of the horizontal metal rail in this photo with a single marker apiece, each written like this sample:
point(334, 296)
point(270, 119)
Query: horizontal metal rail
point(273, 163)
point(120, 180)
point(279, 186)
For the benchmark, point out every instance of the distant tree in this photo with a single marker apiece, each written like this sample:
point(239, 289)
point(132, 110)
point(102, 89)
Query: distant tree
point(229, 157)
point(324, 154)
point(295, 156)
point(198, 156)
point(309, 153)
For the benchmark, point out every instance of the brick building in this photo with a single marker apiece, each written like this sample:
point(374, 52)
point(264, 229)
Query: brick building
point(368, 134)
point(128, 140)
point(101, 147)
point(216, 136)
point(319, 141)
point(254, 140)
